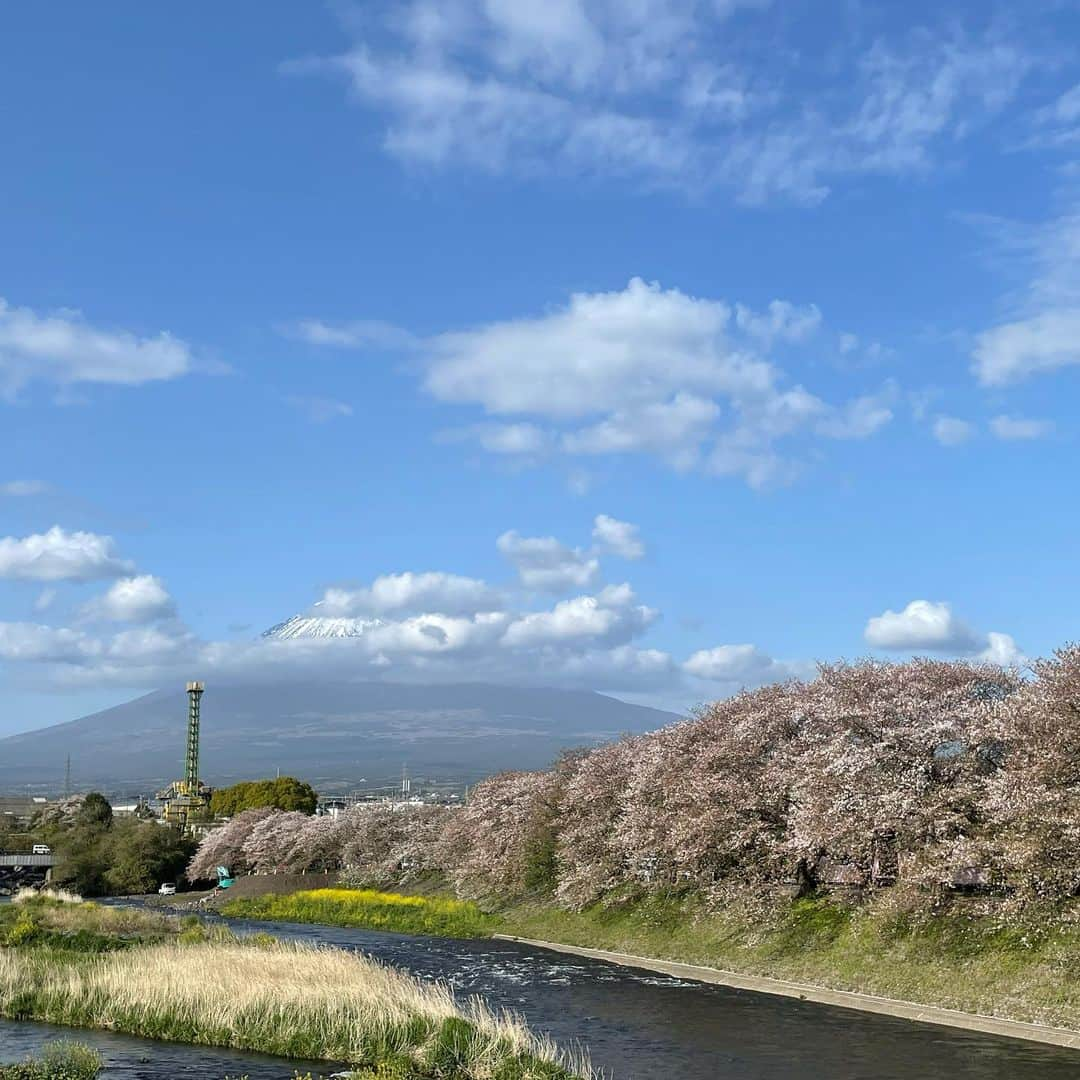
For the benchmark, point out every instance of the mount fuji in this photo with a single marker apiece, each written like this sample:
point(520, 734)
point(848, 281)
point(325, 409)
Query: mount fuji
point(321, 626)
point(332, 733)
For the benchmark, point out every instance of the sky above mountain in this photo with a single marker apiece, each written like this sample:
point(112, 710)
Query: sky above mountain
point(659, 347)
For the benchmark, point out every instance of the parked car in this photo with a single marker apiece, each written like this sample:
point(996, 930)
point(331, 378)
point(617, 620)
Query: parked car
point(42, 849)
point(167, 889)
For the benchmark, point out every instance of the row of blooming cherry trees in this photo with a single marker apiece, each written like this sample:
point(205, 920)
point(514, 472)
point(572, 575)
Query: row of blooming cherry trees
point(933, 772)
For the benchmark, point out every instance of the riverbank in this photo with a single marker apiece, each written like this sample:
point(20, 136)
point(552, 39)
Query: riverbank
point(85, 966)
point(441, 916)
point(844, 999)
point(962, 959)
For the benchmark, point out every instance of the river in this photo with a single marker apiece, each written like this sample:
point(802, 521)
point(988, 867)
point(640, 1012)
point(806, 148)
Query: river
point(637, 1025)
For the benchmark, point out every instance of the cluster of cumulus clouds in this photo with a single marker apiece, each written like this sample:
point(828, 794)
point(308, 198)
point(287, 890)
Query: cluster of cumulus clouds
point(557, 621)
point(693, 382)
point(696, 383)
point(726, 98)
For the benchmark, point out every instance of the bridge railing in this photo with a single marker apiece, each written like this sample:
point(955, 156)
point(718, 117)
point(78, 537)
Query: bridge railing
point(27, 860)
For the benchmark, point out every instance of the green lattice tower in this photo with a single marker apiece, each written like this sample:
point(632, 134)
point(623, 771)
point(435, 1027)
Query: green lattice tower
point(191, 764)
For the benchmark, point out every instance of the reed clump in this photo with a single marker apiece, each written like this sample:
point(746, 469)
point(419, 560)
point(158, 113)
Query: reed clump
point(48, 920)
point(290, 999)
point(369, 909)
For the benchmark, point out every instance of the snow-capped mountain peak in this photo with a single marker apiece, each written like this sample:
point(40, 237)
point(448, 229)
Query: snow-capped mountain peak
point(321, 626)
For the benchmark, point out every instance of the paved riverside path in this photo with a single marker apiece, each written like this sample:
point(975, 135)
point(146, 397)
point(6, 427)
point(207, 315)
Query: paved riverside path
point(844, 999)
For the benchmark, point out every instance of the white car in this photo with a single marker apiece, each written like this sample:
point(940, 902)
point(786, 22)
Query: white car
point(167, 889)
point(42, 849)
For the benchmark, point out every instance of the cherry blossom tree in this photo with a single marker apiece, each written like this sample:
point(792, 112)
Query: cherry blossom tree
point(490, 843)
point(224, 846)
point(893, 756)
point(1034, 794)
point(390, 843)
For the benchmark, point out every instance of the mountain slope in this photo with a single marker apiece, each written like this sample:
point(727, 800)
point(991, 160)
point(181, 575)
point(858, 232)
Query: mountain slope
point(328, 733)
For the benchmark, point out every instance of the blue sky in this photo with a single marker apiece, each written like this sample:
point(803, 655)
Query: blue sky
point(661, 347)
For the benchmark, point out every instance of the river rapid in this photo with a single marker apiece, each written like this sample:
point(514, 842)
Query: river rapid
point(637, 1025)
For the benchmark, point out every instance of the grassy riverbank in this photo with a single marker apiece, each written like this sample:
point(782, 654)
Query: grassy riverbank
point(151, 976)
point(367, 908)
point(961, 957)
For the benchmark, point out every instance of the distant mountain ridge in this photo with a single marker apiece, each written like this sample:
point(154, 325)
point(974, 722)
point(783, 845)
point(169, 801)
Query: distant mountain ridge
point(331, 733)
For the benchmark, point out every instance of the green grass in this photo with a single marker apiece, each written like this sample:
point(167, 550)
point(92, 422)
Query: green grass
point(58, 1061)
point(961, 957)
point(369, 909)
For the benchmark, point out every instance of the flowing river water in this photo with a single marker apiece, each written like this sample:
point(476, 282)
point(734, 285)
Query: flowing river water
point(637, 1025)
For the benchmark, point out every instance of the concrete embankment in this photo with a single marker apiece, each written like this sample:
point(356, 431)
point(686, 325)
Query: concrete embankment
point(843, 999)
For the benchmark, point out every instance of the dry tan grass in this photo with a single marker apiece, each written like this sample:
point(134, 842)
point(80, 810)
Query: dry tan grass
point(63, 896)
point(281, 998)
point(72, 915)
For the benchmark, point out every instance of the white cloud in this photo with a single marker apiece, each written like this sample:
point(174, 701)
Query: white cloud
point(644, 370)
point(432, 591)
point(783, 321)
point(319, 409)
point(1057, 125)
point(23, 488)
point(1017, 427)
point(602, 352)
point(609, 618)
point(952, 431)
point(31, 642)
point(526, 440)
point(617, 537)
point(546, 564)
point(149, 645)
point(135, 599)
point(363, 333)
point(860, 418)
point(739, 665)
point(940, 83)
point(921, 625)
point(58, 555)
point(1001, 649)
point(1014, 351)
point(1043, 331)
point(62, 348)
point(45, 600)
point(674, 430)
point(930, 626)
point(667, 92)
